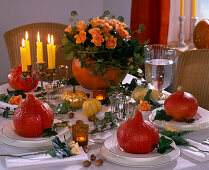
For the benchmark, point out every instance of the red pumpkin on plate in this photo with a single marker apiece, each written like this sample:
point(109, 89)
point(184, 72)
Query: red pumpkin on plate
point(17, 83)
point(181, 105)
point(32, 116)
point(137, 135)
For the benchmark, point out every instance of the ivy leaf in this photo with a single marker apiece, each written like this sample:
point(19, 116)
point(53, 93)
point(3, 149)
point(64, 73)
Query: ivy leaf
point(188, 120)
point(63, 108)
point(161, 115)
point(6, 112)
point(61, 150)
point(37, 89)
point(164, 145)
point(51, 152)
point(49, 132)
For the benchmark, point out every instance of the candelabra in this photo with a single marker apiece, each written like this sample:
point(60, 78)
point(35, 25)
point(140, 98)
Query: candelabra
point(194, 22)
point(181, 42)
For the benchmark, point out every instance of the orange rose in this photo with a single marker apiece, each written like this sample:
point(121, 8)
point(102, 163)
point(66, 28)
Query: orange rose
point(98, 40)
point(97, 21)
point(122, 32)
point(81, 25)
point(144, 106)
point(81, 37)
point(111, 42)
point(106, 27)
point(68, 29)
point(95, 32)
point(113, 22)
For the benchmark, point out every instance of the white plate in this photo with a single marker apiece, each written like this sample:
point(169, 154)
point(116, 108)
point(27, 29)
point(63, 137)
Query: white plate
point(9, 137)
point(4, 105)
point(201, 121)
point(112, 152)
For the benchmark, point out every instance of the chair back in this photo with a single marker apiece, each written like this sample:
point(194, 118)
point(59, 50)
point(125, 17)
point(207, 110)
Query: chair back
point(13, 39)
point(193, 75)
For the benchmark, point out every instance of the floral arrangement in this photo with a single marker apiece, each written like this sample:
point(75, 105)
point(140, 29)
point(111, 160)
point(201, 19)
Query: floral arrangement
point(107, 41)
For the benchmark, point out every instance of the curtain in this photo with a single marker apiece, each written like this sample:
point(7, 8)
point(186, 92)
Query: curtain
point(154, 15)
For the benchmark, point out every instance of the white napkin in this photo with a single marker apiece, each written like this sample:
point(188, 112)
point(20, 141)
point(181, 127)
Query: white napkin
point(43, 159)
point(194, 153)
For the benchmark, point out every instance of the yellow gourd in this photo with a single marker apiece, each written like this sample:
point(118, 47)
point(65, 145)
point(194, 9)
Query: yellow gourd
point(74, 99)
point(139, 92)
point(91, 107)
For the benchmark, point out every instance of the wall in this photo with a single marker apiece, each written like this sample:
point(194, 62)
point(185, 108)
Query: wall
point(14, 13)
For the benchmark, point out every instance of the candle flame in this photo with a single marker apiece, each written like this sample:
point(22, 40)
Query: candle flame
point(38, 37)
point(52, 40)
point(23, 43)
point(26, 35)
point(49, 38)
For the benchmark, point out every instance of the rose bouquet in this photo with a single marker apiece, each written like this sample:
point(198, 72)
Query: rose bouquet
point(107, 42)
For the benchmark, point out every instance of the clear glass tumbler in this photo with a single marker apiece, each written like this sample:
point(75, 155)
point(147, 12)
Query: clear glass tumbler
point(120, 108)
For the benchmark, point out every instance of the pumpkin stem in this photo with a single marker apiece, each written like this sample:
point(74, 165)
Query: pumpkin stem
point(180, 89)
point(30, 96)
point(138, 116)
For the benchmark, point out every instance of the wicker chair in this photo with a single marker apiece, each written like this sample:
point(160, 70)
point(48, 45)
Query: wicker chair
point(13, 39)
point(193, 75)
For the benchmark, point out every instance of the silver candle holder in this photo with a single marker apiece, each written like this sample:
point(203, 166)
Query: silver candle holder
point(194, 22)
point(181, 35)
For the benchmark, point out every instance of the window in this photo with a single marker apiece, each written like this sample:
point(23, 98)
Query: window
point(203, 9)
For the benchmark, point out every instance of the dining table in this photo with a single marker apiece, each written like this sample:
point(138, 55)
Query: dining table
point(183, 162)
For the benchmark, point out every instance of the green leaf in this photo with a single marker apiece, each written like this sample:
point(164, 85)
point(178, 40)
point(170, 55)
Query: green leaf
point(63, 108)
point(51, 152)
point(49, 132)
point(61, 150)
point(147, 96)
point(161, 115)
point(188, 120)
point(164, 145)
point(37, 89)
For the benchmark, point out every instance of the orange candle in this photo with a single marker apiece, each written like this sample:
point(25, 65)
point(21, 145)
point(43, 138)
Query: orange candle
point(23, 57)
point(27, 46)
point(194, 8)
point(182, 8)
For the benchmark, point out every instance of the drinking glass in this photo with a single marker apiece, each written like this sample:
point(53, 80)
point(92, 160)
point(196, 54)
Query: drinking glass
point(160, 65)
point(120, 108)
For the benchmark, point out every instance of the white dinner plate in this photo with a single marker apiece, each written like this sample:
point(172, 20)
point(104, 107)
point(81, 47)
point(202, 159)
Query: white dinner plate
point(112, 152)
point(9, 137)
point(201, 121)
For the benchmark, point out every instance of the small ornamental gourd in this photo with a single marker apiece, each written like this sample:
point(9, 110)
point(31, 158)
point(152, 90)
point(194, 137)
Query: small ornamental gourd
point(91, 107)
point(137, 135)
point(74, 98)
point(139, 93)
point(32, 116)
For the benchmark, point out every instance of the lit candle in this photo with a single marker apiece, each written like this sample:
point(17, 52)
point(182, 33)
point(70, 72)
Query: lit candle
point(182, 8)
point(194, 8)
point(23, 57)
point(81, 139)
point(53, 50)
point(39, 50)
point(27, 46)
point(100, 97)
point(49, 52)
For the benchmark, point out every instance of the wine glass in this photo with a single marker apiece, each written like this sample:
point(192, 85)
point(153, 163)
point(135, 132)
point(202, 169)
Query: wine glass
point(160, 65)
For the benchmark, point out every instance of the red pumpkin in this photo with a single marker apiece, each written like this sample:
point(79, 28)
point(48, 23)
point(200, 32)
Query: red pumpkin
point(17, 83)
point(137, 135)
point(32, 116)
point(201, 34)
point(88, 81)
point(181, 105)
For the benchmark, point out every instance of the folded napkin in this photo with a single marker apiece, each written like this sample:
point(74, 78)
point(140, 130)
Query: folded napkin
point(100, 137)
point(43, 159)
point(194, 153)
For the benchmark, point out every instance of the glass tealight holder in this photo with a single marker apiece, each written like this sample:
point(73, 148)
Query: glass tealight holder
point(80, 134)
point(120, 108)
point(99, 95)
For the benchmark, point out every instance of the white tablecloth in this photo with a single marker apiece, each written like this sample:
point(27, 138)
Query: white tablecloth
point(182, 162)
